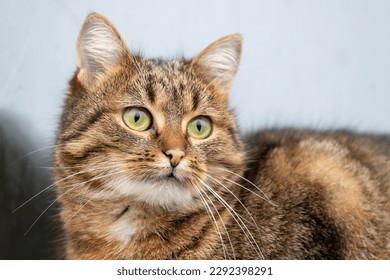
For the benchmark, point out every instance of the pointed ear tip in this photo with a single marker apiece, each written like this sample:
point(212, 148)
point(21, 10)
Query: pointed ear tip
point(95, 18)
point(235, 40)
point(234, 37)
point(237, 36)
point(94, 15)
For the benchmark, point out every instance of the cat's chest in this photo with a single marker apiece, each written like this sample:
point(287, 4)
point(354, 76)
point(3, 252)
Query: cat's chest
point(125, 226)
point(132, 221)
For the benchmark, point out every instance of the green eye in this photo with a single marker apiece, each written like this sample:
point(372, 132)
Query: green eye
point(199, 128)
point(138, 119)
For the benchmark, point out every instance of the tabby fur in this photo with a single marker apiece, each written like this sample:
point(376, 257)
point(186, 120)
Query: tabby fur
point(276, 194)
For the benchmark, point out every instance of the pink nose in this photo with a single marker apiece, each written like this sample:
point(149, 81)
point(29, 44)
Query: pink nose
point(174, 156)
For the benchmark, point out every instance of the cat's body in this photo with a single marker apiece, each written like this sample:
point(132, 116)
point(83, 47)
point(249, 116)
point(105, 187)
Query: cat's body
point(150, 165)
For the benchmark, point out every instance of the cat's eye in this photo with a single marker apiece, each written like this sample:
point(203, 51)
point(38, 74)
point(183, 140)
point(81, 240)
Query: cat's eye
point(199, 128)
point(138, 119)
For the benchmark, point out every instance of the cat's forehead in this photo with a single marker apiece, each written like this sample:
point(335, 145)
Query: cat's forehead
point(164, 66)
point(161, 76)
point(169, 86)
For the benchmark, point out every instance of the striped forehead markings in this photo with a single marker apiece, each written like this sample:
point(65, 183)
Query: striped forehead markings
point(150, 90)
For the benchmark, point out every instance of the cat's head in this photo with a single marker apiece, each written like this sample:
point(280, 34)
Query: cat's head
point(157, 131)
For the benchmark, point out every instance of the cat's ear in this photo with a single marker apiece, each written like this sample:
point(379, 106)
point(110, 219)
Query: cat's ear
point(99, 49)
point(220, 60)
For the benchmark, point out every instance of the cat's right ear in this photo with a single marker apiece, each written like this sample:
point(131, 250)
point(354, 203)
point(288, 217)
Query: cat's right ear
point(100, 49)
point(220, 61)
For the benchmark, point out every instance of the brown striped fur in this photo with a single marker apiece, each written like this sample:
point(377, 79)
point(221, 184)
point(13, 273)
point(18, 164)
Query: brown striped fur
point(278, 194)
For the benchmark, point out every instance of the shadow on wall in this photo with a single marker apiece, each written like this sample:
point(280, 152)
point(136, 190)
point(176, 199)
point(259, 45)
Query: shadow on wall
point(21, 178)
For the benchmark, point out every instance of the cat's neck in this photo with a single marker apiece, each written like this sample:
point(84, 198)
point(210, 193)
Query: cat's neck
point(129, 229)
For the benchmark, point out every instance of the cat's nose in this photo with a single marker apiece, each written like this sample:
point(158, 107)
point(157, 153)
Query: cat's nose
point(174, 156)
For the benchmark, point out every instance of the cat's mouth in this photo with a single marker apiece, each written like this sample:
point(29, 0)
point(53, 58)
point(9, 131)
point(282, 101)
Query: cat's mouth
point(173, 175)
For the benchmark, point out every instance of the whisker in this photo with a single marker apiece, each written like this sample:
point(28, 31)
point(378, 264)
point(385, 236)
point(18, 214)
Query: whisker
point(45, 189)
point(249, 190)
point(74, 186)
point(238, 220)
point(53, 184)
point(82, 206)
point(110, 190)
point(239, 201)
point(45, 148)
point(223, 223)
point(78, 166)
point(43, 212)
point(213, 220)
point(40, 149)
point(236, 217)
point(246, 180)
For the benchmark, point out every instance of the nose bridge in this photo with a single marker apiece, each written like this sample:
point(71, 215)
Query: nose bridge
point(173, 138)
point(174, 145)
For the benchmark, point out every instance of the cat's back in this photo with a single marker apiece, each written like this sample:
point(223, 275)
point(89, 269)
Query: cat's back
point(331, 191)
point(316, 152)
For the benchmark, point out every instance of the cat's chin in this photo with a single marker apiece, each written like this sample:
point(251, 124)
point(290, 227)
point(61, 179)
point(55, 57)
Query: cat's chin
point(167, 192)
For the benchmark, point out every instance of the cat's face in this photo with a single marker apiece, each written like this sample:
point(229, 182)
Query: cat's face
point(151, 130)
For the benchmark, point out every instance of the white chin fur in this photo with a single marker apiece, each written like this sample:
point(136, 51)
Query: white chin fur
point(164, 194)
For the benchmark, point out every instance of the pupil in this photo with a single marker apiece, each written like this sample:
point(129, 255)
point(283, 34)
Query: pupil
point(137, 116)
point(199, 125)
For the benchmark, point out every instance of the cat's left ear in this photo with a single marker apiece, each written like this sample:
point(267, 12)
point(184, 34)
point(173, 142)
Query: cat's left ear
point(100, 49)
point(220, 61)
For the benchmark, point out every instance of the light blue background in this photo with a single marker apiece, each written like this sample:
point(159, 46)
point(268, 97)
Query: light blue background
point(320, 64)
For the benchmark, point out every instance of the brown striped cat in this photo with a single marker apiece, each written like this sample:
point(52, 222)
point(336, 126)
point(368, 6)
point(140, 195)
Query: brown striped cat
point(150, 165)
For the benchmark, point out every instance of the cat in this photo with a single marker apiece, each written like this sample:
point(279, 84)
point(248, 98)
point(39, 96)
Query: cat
point(149, 164)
